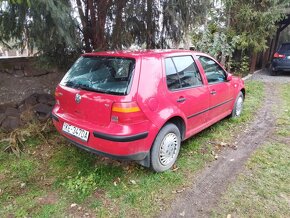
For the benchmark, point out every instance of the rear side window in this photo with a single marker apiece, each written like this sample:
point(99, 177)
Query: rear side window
point(101, 74)
point(284, 48)
point(181, 72)
point(214, 73)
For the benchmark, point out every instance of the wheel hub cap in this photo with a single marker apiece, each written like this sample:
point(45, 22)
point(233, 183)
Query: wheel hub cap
point(168, 149)
point(239, 106)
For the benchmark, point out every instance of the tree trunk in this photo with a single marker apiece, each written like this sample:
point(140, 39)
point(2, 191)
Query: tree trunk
point(93, 31)
point(253, 62)
point(149, 21)
point(85, 30)
point(117, 29)
point(265, 58)
point(102, 10)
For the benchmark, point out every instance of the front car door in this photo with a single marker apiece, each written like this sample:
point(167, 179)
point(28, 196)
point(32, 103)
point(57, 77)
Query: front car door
point(219, 89)
point(187, 91)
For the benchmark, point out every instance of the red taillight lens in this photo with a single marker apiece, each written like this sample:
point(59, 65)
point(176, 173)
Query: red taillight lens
point(57, 94)
point(277, 55)
point(128, 112)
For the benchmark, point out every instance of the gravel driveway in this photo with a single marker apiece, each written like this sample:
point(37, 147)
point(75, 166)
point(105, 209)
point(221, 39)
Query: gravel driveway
point(264, 76)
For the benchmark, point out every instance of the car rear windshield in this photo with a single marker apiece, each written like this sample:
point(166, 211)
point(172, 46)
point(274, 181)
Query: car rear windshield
point(285, 48)
point(110, 75)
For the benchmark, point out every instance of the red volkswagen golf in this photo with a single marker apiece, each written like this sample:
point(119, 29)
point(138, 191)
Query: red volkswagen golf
point(140, 105)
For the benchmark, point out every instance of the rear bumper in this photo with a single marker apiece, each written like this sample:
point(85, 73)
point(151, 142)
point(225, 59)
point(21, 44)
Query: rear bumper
point(128, 145)
point(114, 138)
point(280, 65)
point(137, 157)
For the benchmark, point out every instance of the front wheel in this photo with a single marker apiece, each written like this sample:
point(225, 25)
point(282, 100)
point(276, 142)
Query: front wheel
point(238, 107)
point(165, 148)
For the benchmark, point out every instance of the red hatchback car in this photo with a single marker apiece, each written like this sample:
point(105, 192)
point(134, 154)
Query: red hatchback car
point(140, 105)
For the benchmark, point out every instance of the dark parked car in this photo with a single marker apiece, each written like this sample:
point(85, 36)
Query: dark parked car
point(281, 59)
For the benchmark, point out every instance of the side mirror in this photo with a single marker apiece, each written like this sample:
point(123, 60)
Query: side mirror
point(229, 77)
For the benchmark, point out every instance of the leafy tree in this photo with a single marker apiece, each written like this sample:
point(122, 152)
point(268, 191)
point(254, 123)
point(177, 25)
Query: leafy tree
point(114, 24)
point(46, 25)
point(239, 29)
point(254, 22)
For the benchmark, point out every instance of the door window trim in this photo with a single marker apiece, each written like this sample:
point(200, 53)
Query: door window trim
point(188, 87)
point(216, 82)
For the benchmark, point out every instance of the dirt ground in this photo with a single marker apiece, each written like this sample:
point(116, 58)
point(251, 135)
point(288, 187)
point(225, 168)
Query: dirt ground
point(204, 194)
point(14, 89)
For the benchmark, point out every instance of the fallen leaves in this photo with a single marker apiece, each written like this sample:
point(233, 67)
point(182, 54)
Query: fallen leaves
point(133, 182)
point(73, 205)
point(117, 181)
point(178, 191)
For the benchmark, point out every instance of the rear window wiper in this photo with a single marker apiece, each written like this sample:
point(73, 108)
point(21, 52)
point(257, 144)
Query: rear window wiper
point(85, 87)
point(88, 88)
point(71, 84)
point(79, 86)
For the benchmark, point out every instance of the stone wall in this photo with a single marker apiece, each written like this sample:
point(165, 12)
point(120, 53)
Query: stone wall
point(21, 66)
point(25, 92)
point(36, 106)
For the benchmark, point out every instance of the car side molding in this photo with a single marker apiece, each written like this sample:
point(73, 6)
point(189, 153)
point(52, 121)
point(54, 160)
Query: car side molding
point(115, 138)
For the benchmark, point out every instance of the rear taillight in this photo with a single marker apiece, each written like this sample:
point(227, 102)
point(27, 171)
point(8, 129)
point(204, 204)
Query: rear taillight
point(277, 55)
point(128, 112)
point(57, 94)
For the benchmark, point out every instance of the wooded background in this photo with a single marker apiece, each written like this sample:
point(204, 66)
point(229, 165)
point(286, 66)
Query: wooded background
point(233, 31)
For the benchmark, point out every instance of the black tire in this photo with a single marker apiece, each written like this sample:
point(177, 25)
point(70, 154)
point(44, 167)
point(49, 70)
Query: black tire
point(161, 162)
point(273, 72)
point(238, 107)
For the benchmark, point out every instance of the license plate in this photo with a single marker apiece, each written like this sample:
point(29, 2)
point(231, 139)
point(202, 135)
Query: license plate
point(288, 57)
point(75, 131)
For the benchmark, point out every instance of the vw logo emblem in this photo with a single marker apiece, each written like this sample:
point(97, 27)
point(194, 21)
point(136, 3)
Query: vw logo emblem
point(78, 98)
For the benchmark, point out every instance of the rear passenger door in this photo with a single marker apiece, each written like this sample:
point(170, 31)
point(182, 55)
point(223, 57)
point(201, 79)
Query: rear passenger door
point(187, 91)
point(219, 89)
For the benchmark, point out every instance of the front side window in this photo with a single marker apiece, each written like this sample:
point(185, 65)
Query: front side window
point(101, 74)
point(214, 73)
point(181, 72)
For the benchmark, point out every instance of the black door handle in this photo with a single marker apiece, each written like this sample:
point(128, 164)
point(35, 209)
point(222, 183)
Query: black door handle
point(181, 99)
point(213, 92)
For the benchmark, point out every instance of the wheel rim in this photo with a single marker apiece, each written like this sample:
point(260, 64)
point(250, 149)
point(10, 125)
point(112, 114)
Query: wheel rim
point(168, 149)
point(239, 106)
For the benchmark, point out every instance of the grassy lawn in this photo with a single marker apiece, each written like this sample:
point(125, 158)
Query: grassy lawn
point(263, 190)
point(53, 178)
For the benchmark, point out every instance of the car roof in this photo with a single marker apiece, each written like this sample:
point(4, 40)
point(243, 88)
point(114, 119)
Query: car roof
point(143, 53)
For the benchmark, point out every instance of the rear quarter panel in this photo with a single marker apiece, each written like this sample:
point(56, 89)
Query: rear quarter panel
point(152, 97)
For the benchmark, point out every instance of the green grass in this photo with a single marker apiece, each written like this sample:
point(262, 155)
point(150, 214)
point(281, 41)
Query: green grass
point(263, 190)
point(101, 186)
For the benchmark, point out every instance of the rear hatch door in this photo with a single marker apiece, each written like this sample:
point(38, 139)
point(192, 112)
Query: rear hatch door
point(93, 84)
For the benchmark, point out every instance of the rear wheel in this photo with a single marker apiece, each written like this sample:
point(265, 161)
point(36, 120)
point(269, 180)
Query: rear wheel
point(238, 107)
point(273, 72)
point(165, 148)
